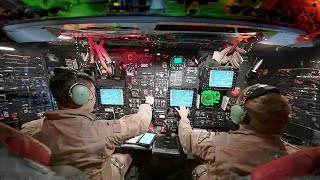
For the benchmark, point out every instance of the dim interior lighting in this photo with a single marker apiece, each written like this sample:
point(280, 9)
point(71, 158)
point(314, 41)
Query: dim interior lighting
point(257, 66)
point(64, 37)
point(6, 48)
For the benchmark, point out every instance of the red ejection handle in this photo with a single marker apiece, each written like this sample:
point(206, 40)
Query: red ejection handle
point(234, 47)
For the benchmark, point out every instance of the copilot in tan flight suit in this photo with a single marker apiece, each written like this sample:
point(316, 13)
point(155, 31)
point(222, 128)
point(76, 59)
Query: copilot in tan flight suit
point(234, 153)
point(237, 153)
point(77, 139)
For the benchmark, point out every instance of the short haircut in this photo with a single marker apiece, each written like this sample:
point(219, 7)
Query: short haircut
point(269, 114)
point(63, 79)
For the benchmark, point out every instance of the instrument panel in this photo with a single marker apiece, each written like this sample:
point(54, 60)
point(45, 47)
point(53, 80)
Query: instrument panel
point(173, 80)
point(24, 89)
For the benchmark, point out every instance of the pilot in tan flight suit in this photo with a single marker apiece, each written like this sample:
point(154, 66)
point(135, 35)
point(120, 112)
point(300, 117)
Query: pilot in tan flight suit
point(76, 138)
point(262, 114)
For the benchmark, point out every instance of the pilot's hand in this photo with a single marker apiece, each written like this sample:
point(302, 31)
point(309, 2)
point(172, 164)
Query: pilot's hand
point(150, 100)
point(183, 112)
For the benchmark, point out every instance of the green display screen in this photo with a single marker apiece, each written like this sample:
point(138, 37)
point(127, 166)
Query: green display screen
point(177, 60)
point(210, 97)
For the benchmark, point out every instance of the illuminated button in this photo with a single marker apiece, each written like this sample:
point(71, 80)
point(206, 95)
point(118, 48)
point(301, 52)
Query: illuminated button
point(14, 116)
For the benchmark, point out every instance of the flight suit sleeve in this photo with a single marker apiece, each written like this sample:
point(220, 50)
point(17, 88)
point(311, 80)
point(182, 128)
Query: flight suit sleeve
point(32, 127)
point(132, 125)
point(198, 143)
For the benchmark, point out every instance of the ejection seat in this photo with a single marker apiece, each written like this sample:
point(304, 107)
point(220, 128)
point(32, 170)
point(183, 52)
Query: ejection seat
point(23, 157)
point(305, 162)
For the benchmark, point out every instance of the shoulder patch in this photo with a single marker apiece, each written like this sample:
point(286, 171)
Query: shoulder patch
point(202, 136)
point(116, 126)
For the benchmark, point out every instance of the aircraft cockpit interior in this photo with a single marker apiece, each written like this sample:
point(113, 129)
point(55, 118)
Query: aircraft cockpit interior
point(166, 76)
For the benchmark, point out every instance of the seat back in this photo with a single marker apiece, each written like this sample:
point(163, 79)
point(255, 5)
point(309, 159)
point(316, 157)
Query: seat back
point(24, 145)
point(302, 163)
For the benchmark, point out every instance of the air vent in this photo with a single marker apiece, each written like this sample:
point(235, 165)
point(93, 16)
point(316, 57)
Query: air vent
point(194, 28)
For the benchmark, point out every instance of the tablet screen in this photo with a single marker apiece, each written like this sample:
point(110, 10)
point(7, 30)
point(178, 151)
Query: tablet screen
point(147, 138)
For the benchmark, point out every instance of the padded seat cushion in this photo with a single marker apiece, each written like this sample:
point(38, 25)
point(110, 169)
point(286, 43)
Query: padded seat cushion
point(24, 145)
point(302, 163)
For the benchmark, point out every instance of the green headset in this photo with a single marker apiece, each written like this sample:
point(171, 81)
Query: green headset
point(78, 92)
point(239, 112)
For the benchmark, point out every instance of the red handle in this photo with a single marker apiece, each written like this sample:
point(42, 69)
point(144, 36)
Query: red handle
point(233, 48)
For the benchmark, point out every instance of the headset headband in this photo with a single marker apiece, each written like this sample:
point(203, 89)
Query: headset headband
point(258, 90)
point(60, 72)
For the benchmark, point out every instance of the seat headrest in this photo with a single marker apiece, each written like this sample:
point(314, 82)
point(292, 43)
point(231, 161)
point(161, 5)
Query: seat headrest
point(24, 145)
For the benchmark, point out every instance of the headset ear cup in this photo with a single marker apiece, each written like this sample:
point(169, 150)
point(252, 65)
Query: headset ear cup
point(79, 94)
point(237, 114)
